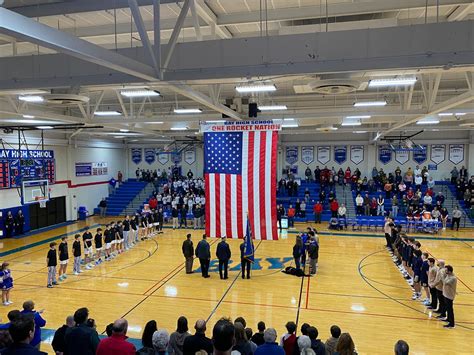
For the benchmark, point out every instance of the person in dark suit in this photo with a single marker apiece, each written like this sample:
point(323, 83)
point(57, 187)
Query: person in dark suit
point(188, 252)
point(203, 253)
point(223, 253)
point(20, 222)
point(244, 261)
point(9, 224)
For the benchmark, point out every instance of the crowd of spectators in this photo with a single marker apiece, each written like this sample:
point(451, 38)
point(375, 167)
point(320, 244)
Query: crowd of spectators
point(79, 336)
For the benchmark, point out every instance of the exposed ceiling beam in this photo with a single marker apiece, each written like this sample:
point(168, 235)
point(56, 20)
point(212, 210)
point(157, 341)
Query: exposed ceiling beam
point(205, 12)
point(456, 101)
point(137, 17)
point(412, 47)
point(176, 31)
point(78, 6)
point(337, 9)
point(461, 12)
point(195, 16)
point(32, 31)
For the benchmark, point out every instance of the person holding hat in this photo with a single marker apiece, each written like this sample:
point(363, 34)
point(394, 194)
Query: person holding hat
point(223, 253)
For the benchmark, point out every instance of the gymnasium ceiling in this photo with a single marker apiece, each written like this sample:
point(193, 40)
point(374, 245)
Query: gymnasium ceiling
point(321, 56)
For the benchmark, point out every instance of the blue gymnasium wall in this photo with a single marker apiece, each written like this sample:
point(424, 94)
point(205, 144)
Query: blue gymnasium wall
point(26, 212)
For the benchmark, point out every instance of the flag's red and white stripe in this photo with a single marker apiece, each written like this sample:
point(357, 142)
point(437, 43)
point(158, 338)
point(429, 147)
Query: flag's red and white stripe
point(229, 197)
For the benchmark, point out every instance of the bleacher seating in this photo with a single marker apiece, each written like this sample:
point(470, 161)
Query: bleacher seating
point(314, 190)
point(122, 196)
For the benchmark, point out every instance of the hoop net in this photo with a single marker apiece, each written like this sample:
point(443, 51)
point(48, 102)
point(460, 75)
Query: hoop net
point(42, 201)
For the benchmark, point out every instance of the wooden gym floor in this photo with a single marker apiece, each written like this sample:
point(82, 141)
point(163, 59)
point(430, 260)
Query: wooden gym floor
point(357, 287)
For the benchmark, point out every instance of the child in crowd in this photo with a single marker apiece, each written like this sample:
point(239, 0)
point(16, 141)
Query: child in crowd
point(63, 258)
point(6, 283)
point(108, 242)
point(51, 263)
point(76, 251)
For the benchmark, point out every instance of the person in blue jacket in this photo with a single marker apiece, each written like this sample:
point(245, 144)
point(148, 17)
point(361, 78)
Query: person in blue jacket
point(223, 253)
point(29, 308)
point(203, 253)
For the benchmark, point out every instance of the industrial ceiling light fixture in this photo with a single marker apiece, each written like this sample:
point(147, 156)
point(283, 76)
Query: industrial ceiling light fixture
point(31, 98)
point(351, 123)
point(187, 110)
point(445, 114)
point(178, 128)
point(289, 125)
point(139, 93)
point(392, 82)
point(360, 117)
point(428, 121)
point(255, 88)
point(28, 116)
point(272, 107)
point(45, 127)
point(107, 113)
point(370, 103)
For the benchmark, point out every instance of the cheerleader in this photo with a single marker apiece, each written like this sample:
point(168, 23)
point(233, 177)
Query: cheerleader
point(6, 282)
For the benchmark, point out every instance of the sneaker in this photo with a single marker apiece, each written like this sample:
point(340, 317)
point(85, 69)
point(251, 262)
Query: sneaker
point(50, 286)
point(5, 303)
point(88, 267)
point(55, 283)
point(9, 302)
point(427, 302)
point(76, 273)
point(448, 326)
point(414, 297)
point(64, 276)
point(441, 317)
point(60, 278)
point(81, 271)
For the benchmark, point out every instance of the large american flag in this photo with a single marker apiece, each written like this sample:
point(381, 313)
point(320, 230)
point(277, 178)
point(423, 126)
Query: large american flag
point(240, 177)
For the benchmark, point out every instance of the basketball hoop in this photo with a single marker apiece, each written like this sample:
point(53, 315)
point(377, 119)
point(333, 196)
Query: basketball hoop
point(42, 201)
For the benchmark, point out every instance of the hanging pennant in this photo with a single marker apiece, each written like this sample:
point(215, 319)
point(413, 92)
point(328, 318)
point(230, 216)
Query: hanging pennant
point(176, 157)
point(324, 154)
point(438, 153)
point(150, 155)
point(307, 155)
point(402, 156)
point(136, 155)
point(340, 154)
point(357, 154)
point(163, 158)
point(456, 153)
point(291, 155)
point(190, 156)
point(385, 154)
point(420, 155)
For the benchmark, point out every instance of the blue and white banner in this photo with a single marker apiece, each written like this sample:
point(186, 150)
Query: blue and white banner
point(385, 154)
point(456, 153)
point(307, 155)
point(190, 156)
point(357, 154)
point(324, 154)
point(291, 155)
point(176, 157)
point(340, 154)
point(150, 155)
point(420, 155)
point(163, 158)
point(136, 155)
point(402, 156)
point(25, 154)
point(438, 153)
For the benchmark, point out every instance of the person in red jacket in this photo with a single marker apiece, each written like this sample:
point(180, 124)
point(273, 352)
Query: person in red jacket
point(334, 206)
point(153, 203)
point(291, 216)
point(318, 210)
point(117, 344)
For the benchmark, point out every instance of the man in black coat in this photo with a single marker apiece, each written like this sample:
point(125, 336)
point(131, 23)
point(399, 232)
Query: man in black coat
point(223, 254)
point(203, 252)
point(59, 340)
point(245, 263)
point(188, 252)
point(81, 339)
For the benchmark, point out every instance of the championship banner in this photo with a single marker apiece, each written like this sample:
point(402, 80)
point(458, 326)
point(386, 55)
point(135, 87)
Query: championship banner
point(307, 155)
point(240, 179)
point(357, 154)
point(420, 155)
point(456, 153)
point(438, 153)
point(163, 158)
point(385, 154)
point(136, 155)
point(150, 155)
point(190, 156)
point(176, 157)
point(324, 154)
point(402, 156)
point(340, 154)
point(291, 154)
